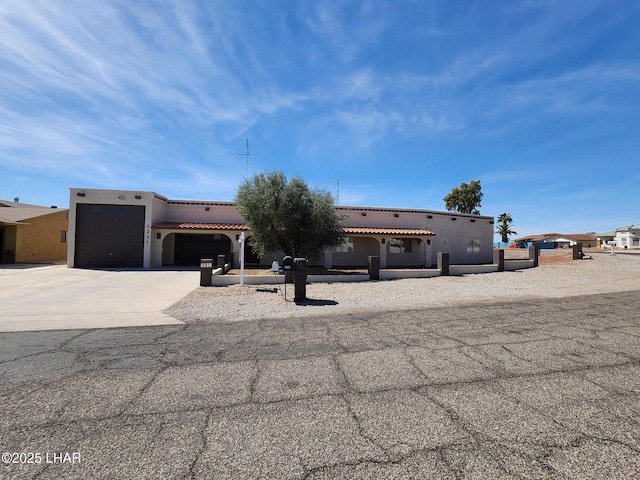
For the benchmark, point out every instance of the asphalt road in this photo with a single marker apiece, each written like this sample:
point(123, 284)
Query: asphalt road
point(535, 389)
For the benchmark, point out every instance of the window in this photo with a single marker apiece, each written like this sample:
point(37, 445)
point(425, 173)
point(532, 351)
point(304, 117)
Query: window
point(63, 236)
point(473, 246)
point(400, 245)
point(346, 247)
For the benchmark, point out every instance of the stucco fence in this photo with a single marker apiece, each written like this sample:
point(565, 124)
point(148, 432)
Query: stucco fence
point(220, 280)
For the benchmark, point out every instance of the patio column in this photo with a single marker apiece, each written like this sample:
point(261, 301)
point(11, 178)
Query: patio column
point(383, 252)
point(157, 238)
point(426, 242)
point(235, 249)
point(328, 258)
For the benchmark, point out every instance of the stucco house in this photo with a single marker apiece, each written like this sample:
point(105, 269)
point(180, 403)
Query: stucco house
point(605, 237)
point(561, 240)
point(32, 233)
point(118, 228)
point(628, 236)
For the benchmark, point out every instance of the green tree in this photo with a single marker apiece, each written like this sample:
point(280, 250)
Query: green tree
point(465, 198)
point(288, 216)
point(504, 227)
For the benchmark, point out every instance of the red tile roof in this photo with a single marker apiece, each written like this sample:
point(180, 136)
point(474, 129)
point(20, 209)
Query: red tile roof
point(387, 231)
point(200, 226)
point(241, 227)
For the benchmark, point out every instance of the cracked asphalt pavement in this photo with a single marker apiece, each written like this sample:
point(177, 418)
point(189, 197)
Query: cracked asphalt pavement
point(525, 389)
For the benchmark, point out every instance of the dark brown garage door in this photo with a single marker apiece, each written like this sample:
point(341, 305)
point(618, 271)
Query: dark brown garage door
point(190, 248)
point(109, 236)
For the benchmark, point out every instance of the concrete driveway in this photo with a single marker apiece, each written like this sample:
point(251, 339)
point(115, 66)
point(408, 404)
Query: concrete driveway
point(54, 297)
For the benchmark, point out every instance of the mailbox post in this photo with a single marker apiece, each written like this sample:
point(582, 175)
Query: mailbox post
point(287, 267)
point(300, 279)
point(206, 269)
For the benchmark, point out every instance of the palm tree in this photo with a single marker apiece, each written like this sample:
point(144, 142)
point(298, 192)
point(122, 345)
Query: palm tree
point(504, 227)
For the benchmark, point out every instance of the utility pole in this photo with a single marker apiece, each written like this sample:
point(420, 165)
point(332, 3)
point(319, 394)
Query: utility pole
point(247, 154)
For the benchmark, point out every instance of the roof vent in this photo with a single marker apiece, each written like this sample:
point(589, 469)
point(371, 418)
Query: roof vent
point(16, 199)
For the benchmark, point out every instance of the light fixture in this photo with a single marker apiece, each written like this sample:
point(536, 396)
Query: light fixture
point(138, 197)
point(120, 197)
point(81, 194)
point(364, 214)
point(396, 215)
point(206, 209)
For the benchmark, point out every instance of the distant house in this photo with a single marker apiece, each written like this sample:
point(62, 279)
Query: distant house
point(32, 233)
point(562, 240)
point(605, 237)
point(628, 236)
point(120, 228)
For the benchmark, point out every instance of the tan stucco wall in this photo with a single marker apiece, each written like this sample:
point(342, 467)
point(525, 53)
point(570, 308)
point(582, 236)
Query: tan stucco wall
point(39, 241)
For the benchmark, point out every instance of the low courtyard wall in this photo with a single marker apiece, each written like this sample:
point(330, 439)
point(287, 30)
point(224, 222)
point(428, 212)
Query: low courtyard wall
point(511, 265)
point(385, 274)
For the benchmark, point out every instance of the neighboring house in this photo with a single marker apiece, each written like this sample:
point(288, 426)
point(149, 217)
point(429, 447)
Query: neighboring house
point(562, 240)
point(605, 237)
point(628, 236)
point(32, 233)
point(115, 228)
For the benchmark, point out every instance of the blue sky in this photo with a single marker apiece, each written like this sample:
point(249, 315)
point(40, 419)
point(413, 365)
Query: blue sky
point(399, 101)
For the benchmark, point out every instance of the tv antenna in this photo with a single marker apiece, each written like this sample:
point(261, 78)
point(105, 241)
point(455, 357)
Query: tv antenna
point(247, 154)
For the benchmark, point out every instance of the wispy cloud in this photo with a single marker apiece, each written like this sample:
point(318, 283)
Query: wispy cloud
point(103, 80)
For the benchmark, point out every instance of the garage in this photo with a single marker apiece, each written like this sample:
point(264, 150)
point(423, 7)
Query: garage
point(109, 236)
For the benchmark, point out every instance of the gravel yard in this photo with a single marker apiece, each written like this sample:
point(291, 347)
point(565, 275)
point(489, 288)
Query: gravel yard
point(603, 274)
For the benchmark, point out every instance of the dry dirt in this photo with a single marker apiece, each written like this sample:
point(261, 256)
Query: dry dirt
point(559, 258)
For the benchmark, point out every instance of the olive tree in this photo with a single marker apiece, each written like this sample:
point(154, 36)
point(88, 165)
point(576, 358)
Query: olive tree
point(286, 215)
point(465, 198)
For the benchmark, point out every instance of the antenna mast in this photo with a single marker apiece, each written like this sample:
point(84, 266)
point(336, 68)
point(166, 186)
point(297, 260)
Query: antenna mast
point(247, 155)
